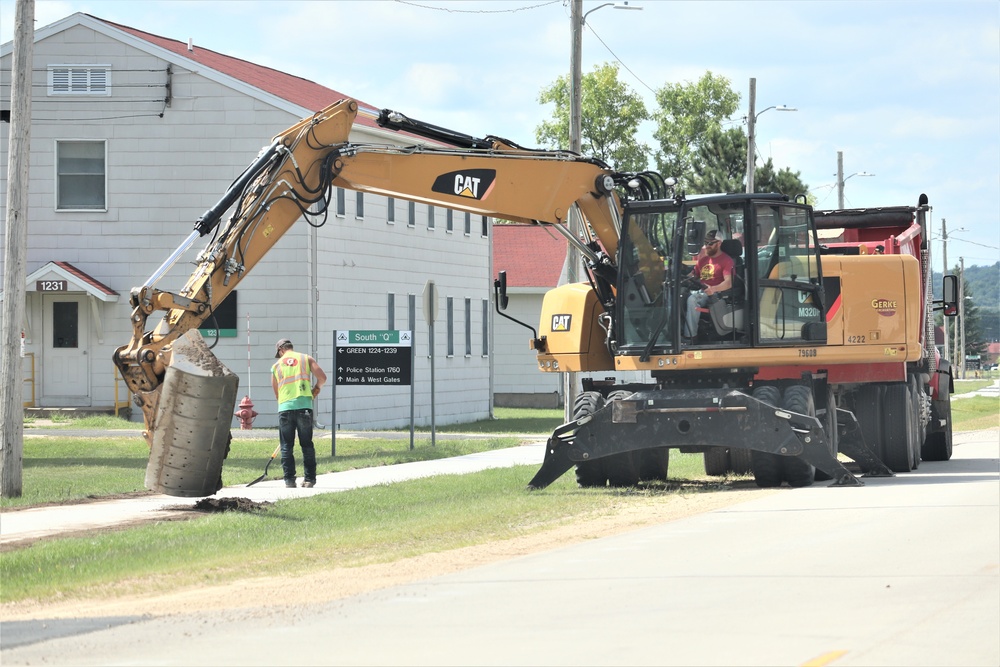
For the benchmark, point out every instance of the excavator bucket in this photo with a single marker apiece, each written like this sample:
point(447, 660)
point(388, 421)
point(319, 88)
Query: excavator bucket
point(193, 419)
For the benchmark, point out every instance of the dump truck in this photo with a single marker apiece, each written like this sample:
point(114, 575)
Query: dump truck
point(779, 358)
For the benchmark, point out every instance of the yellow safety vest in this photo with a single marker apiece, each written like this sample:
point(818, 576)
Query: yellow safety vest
point(294, 381)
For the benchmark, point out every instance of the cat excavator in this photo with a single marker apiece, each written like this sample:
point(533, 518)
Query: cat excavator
point(770, 378)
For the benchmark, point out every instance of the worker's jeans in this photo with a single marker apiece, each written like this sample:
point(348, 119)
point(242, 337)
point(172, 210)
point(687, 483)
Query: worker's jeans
point(291, 422)
point(695, 301)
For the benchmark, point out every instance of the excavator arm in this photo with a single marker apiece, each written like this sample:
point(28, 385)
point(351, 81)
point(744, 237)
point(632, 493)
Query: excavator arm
point(187, 396)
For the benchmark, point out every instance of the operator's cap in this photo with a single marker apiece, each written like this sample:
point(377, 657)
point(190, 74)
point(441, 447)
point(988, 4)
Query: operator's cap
point(284, 342)
point(712, 236)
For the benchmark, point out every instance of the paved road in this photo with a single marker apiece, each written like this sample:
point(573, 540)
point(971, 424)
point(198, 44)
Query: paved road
point(903, 571)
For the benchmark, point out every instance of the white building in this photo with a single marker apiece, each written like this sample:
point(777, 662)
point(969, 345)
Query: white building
point(133, 137)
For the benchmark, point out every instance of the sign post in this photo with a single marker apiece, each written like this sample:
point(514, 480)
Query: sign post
point(430, 314)
point(364, 357)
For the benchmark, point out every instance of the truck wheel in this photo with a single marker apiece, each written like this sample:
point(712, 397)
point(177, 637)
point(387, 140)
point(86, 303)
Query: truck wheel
point(867, 409)
point(766, 466)
point(716, 461)
point(589, 473)
point(798, 398)
point(917, 432)
point(740, 461)
point(897, 428)
point(830, 430)
point(938, 445)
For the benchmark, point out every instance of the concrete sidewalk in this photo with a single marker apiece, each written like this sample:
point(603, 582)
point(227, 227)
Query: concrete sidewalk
point(30, 524)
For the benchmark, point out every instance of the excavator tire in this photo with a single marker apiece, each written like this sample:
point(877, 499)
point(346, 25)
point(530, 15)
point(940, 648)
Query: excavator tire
point(716, 461)
point(830, 429)
point(654, 464)
point(740, 461)
point(766, 467)
point(589, 473)
point(867, 410)
point(798, 473)
point(897, 428)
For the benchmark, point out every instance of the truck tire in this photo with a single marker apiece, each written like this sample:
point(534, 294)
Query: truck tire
point(798, 473)
point(938, 444)
point(897, 428)
point(917, 434)
point(766, 467)
point(589, 473)
point(716, 461)
point(830, 430)
point(867, 410)
point(654, 464)
point(740, 461)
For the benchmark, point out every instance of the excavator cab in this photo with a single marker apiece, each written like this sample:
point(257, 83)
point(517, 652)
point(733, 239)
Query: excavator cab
point(776, 296)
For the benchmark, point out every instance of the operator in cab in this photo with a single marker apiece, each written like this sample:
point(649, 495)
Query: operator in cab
point(714, 270)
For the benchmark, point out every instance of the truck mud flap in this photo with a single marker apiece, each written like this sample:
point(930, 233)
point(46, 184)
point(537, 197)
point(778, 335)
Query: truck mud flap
point(690, 418)
point(193, 422)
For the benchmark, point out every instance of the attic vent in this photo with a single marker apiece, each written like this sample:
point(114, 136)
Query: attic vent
point(79, 79)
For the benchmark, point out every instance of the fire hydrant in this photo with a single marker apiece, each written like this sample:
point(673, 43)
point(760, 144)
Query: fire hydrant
point(245, 414)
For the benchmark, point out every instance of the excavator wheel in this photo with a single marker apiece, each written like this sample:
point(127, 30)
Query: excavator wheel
point(623, 469)
point(830, 430)
point(867, 410)
point(798, 473)
point(766, 467)
point(589, 473)
point(716, 461)
point(897, 428)
point(740, 461)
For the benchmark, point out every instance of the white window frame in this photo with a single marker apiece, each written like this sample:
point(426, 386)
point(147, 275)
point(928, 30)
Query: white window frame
point(80, 79)
point(57, 175)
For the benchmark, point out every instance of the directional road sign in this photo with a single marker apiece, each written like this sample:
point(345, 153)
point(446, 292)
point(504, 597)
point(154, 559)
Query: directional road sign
point(373, 356)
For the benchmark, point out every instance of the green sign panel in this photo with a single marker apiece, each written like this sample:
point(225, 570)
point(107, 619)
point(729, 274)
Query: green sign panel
point(380, 337)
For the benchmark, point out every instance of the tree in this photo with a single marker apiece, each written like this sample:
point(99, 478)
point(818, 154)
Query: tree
point(719, 163)
point(687, 113)
point(787, 182)
point(609, 119)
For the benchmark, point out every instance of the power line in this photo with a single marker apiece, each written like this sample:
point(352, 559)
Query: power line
point(478, 11)
point(619, 60)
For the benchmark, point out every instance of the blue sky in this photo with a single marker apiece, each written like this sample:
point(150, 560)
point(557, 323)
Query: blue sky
point(907, 90)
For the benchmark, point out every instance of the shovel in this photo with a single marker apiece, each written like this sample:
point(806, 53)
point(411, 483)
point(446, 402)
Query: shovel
point(264, 476)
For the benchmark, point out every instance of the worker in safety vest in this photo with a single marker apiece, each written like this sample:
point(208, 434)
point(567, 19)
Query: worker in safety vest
point(296, 379)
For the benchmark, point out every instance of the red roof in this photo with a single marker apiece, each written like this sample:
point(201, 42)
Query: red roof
point(87, 278)
point(296, 90)
point(532, 255)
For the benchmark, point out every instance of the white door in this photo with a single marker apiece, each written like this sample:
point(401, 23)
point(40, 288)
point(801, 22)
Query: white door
point(65, 351)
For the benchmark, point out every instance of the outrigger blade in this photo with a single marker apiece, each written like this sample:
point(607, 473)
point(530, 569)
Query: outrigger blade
point(192, 430)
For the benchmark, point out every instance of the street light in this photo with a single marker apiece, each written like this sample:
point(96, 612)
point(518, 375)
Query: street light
point(577, 20)
point(751, 131)
point(841, 180)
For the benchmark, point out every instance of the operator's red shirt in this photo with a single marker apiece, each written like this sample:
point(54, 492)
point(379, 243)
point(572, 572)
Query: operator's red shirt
point(713, 270)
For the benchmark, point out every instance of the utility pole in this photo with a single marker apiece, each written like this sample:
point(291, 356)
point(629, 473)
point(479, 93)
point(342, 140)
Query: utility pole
point(575, 143)
point(961, 313)
point(751, 135)
point(16, 244)
point(840, 180)
point(944, 255)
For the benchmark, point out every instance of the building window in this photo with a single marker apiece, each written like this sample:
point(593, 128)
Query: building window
point(451, 327)
point(390, 210)
point(359, 211)
point(430, 217)
point(449, 221)
point(80, 80)
point(468, 327)
point(486, 327)
point(486, 227)
point(65, 324)
point(468, 223)
point(411, 220)
point(411, 304)
point(81, 179)
point(341, 202)
point(390, 311)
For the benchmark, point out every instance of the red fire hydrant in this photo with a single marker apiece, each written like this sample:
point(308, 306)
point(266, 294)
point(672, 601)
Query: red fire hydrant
point(245, 414)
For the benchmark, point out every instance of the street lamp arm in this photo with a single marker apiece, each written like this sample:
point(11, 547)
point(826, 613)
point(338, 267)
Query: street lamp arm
point(616, 5)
